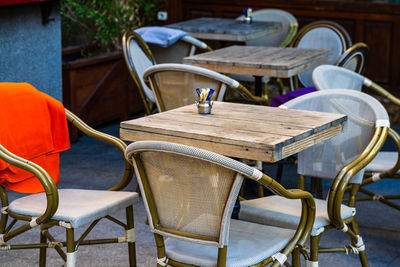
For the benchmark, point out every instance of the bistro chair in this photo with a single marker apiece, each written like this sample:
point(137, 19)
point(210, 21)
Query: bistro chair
point(321, 35)
point(65, 208)
point(138, 58)
point(386, 164)
point(184, 47)
point(189, 194)
point(279, 39)
point(174, 85)
point(342, 159)
point(354, 58)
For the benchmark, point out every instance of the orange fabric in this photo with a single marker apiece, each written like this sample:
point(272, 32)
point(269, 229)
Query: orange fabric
point(34, 127)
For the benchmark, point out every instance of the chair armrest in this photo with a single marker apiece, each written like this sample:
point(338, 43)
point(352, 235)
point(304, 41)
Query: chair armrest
point(380, 90)
point(392, 171)
point(259, 99)
point(343, 178)
point(308, 210)
point(47, 182)
point(128, 173)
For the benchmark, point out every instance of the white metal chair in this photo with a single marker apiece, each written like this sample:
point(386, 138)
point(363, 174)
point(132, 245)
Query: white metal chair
point(138, 58)
point(341, 158)
point(279, 39)
point(354, 58)
point(322, 35)
point(174, 85)
point(189, 194)
point(385, 164)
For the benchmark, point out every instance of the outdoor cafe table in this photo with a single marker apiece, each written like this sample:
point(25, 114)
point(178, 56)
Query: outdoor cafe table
point(227, 29)
point(244, 131)
point(281, 62)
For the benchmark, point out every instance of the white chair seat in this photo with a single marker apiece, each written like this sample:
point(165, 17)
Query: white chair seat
point(283, 212)
point(249, 243)
point(76, 206)
point(383, 161)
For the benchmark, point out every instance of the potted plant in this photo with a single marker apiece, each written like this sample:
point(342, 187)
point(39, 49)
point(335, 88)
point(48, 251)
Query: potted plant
point(96, 84)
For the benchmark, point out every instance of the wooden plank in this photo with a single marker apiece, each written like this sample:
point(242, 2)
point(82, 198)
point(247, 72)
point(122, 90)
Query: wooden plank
point(230, 150)
point(226, 29)
point(260, 61)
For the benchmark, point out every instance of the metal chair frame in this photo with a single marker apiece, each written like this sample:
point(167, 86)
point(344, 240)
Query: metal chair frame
point(45, 221)
point(308, 206)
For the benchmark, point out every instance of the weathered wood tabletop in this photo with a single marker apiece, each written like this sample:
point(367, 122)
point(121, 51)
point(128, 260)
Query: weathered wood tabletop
point(227, 29)
point(238, 130)
point(283, 62)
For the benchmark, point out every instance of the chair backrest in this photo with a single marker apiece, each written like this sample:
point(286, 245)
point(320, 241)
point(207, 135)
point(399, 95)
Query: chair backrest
point(281, 38)
point(354, 58)
point(184, 47)
point(189, 193)
point(364, 112)
point(138, 58)
point(174, 84)
point(333, 77)
point(322, 35)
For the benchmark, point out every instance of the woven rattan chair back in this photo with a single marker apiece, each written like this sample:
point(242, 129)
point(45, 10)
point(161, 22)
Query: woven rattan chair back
point(174, 84)
point(138, 58)
point(354, 58)
point(189, 193)
point(364, 113)
point(281, 38)
point(322, 35)
point(184, 47)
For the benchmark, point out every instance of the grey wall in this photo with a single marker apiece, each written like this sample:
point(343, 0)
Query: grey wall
point(29, 51)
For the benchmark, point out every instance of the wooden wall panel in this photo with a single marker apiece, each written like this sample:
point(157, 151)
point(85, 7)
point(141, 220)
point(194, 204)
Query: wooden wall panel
point(378, 36)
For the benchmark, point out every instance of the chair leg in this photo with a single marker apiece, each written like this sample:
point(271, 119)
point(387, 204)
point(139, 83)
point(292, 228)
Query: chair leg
point(131, 243)
point(314, 244)
point(296, 257)
point(42, 251)
point(361, 254)
point(71, 252)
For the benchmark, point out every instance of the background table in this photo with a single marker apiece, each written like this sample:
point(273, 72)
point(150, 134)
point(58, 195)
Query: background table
point(238, 130)
point(226, 29)
point(280, 62)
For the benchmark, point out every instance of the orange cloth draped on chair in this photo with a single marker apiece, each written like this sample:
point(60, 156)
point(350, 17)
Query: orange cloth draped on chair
point(33, 126)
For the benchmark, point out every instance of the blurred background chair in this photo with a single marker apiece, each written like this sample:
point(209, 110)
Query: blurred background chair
point(321, 35)
point(354, 58)
point(174, 85)
point(279, 39)
point(189, 194)
point(387, 163)
point(170, 45)
point(138, 58)
point(341, 158)
point(184, 47)
point(66, 208)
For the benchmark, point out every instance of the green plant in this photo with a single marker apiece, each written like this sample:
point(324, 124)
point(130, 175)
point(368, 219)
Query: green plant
point(100, 24)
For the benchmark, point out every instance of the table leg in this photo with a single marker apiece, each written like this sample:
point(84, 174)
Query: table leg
point(291, 83)
point(258, 85)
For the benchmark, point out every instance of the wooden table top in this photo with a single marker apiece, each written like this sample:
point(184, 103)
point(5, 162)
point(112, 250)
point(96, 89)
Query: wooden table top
point(281, 62)
point(227, 29)
point(245, 131)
